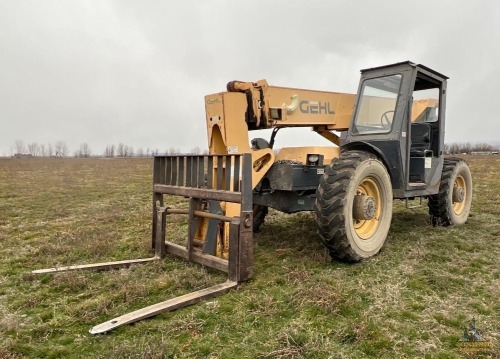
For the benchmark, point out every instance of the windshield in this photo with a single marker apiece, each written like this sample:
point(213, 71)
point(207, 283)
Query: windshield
point(377, 105)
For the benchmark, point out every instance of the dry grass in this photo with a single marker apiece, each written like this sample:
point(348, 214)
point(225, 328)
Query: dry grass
point(412, 300)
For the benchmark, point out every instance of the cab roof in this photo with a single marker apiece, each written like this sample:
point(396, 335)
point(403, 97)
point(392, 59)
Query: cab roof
point(407, 63)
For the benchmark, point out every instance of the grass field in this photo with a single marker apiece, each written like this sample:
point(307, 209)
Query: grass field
point(413, 300)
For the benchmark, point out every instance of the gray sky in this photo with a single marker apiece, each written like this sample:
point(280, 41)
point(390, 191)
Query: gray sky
point(136, 72)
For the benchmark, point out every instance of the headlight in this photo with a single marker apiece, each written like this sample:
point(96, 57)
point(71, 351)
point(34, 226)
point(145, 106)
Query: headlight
point(313, 158)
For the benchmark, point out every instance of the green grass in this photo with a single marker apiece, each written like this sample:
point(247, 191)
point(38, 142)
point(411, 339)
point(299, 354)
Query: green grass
point(413, 300)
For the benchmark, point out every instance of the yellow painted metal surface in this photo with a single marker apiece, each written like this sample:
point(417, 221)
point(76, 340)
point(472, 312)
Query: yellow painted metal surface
point(297, 107)
point(228, 132)
point(365, 228)
point(300, 153)
point(227, 129)
point(325, 132)
point(460, 206)
point(311, 108)
point(420, 106)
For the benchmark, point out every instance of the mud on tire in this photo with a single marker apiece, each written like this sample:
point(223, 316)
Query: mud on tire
point(451, 205)
point(354, 173)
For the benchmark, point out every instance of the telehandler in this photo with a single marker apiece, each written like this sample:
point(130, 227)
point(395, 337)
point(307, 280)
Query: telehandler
point(387, 143)
point(390, 146)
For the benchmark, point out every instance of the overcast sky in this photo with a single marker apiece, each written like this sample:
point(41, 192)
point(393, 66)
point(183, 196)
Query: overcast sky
point(104, 72)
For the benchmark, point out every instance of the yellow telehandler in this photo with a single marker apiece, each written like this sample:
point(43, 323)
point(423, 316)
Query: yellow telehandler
point(387, 142)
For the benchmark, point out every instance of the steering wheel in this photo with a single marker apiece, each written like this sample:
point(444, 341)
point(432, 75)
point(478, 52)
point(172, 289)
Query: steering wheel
point(385, 121)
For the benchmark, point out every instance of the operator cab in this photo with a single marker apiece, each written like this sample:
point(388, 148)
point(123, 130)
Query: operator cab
point(399, 116)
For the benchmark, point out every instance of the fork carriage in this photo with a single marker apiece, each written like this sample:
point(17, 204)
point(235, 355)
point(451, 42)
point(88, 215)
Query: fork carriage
point(214, 187)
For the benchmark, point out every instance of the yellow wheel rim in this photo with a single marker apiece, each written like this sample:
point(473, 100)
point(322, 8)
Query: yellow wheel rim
point(366, 228)
point(458, 207)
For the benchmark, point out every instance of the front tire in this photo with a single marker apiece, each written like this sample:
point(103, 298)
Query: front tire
point(451, 205)
point(354, 206)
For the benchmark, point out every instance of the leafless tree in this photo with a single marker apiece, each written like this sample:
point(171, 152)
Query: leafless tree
point(447, 148)
point(457, 148)
point(129, 151)
point(34, 149)
point(61, 149)
point(120, 150)
point(109, 151)
point(483, 147)
point(139, 152)
point(85, 150)
point(50, 150)
point(43, 150)
point(454, 148)
point(173, 151)
point(465, 148)
point(20, 147)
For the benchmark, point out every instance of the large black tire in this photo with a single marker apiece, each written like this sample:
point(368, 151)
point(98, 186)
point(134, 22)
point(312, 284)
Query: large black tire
point(451, 205)
point(348, 238)
point(259, 215)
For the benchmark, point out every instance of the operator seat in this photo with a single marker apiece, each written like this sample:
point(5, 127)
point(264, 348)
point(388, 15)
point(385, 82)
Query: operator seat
point(420, 139)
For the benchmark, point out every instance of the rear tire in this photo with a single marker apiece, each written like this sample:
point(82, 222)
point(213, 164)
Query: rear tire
point(451, 205)
point(347, 237)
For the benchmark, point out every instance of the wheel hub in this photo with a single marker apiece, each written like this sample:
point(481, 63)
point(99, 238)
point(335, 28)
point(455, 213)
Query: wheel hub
point(458, 194)
point(364, 207)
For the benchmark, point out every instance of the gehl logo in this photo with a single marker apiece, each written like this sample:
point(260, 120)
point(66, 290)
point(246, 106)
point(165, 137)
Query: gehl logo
point(315, 107)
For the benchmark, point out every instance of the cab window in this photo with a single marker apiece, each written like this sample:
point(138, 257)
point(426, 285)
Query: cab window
point(377, 105)
point(425, 105)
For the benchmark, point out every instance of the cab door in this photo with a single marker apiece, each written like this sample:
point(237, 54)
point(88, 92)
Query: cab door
point(425, 129)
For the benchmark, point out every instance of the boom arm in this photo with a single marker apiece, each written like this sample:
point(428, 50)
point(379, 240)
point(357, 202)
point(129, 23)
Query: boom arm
point(271, 106)
point(251, 106)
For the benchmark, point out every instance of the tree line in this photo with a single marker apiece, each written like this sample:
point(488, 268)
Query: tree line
point(34, 149)
point(467, 148)
point(61, 149)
